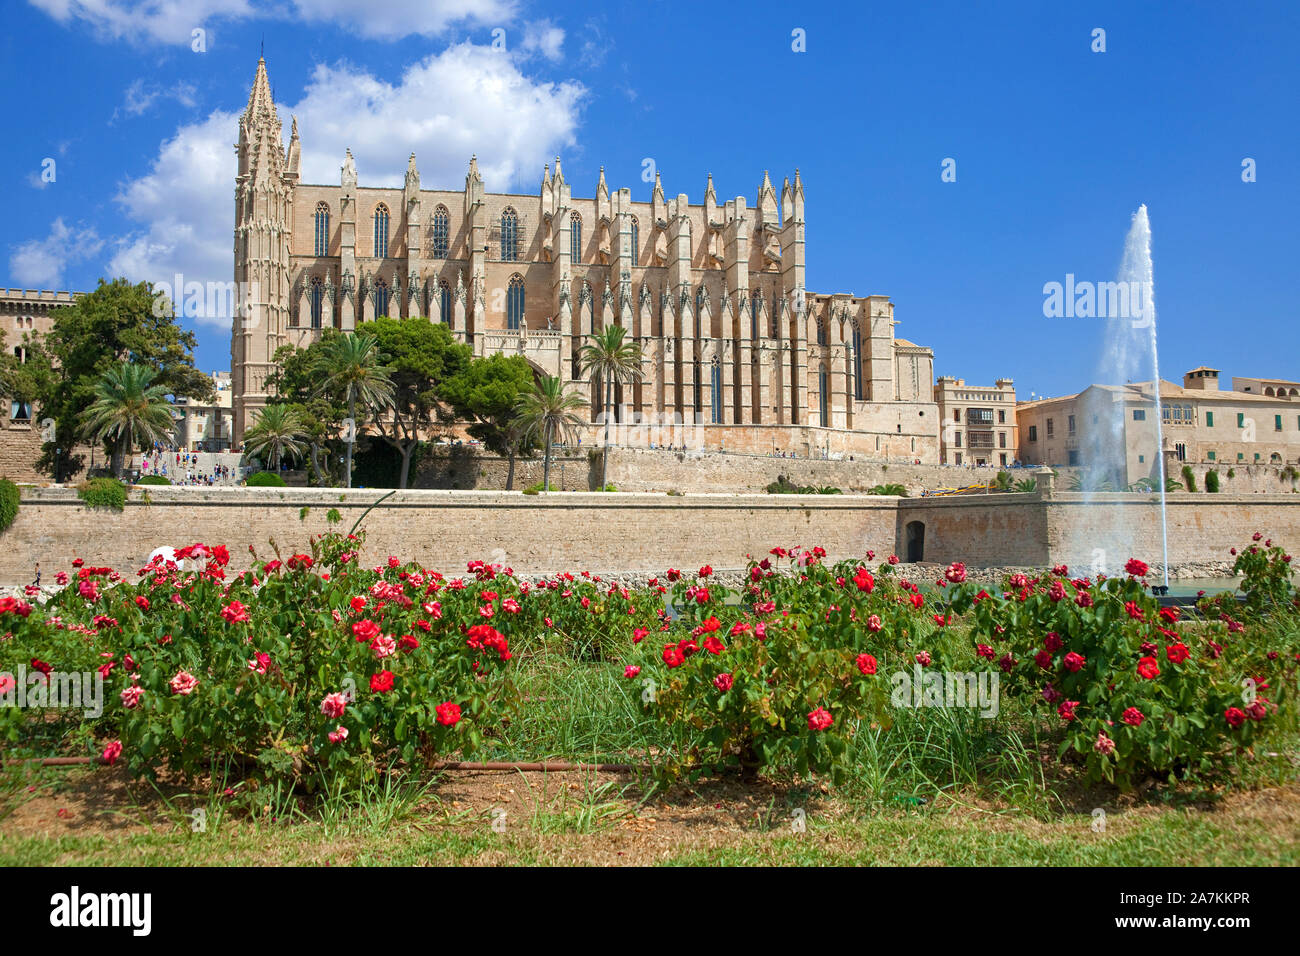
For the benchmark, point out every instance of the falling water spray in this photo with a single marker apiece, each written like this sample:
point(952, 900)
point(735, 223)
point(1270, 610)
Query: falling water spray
point(1138, 271)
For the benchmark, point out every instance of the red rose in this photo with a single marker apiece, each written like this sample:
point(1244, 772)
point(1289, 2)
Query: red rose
point(1133, 717)
point(723, 682)
point(1066, 710)
point(866, 664)
point(1043, 659)
point(1148, 668)
point(631, 671)
point(1177, 653)
point(1235, 717)
point(713, 645)
point(1136, 568)
point(365, 630)
point(408, 643)
point(1073, 661)
point(819, 719)
point(448, 714)
point(864, 581)
point(1053, 642)
point(234, 613)
point(672, 656)
point(382, 682)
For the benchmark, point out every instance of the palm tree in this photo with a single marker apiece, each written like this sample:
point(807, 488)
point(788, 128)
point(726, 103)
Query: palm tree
point(351, 365)
point(128, 410)
point(277, 432)
point(612, 361)
point(550, 412)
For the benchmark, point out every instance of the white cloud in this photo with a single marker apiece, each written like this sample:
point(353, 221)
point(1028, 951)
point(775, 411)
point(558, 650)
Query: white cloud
point(171, 21)
point(184, 204)
point(40, 263)
point(467, 99)
point(398, 18)
point(545, 38)
point(165, 21)
point(140, 97)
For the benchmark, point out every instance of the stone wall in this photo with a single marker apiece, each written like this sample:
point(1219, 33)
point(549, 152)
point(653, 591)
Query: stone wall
point(638, 532)
point(659, 470)
point(1099, 530)
point(466, 467)
point(445, 529)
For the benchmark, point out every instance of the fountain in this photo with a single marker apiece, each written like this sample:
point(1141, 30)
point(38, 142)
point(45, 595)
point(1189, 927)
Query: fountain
point(1130, 338)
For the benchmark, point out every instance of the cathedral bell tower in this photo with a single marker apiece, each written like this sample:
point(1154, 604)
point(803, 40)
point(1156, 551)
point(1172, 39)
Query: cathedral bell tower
point(263, 220)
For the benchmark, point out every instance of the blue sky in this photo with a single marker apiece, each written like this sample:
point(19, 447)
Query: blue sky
point(1055, 145)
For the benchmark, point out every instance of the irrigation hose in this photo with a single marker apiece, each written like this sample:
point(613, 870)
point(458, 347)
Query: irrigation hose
point(542, 766)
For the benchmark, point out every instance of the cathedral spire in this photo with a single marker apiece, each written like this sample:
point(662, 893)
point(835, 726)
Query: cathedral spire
point(261, 105)
point(708, 190)
point(658, 191)
point(546, 176)
point(602, 190)
point(559, 175)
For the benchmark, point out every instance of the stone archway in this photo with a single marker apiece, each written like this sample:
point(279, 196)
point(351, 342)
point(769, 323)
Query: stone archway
point(914, 541)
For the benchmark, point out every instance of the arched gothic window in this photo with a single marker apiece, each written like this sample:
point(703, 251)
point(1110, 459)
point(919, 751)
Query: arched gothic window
point(317, 298)
point(381, 231)
point(699, 309)
point(509, 235)
point(821, 331)
point(441, 232)
point(444, 293)
point(858, 391)
point(715, 378)
point(754, 305)
point(575, 238)
point(322, 229)
point(636, 239)
point(381, 297)
point(515, 302)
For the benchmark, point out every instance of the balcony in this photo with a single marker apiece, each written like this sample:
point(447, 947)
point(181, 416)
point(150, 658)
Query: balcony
point(542, 347)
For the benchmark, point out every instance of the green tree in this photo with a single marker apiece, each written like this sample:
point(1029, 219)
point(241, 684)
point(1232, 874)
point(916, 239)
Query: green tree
point(611, 360)
point(420, 357)
point(549, 411)
point(487, 391)
point(128, 410)
point(295, 383)
point(278, 432)
point(351, 365)
point(117, 322)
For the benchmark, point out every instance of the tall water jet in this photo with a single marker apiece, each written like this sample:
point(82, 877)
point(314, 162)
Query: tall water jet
point(1139, 272)
point(1130, 339)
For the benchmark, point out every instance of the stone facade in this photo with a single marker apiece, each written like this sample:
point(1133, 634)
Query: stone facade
point(713, 293)
point(979, 422)
point(1204, 426)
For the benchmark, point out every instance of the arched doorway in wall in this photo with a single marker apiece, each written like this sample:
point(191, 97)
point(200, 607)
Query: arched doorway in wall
point(914, 541)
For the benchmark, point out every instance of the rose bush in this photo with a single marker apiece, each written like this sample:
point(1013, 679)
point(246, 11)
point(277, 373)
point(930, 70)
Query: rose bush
point(786, 674)
point(309, 668)
point(1136, 688)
